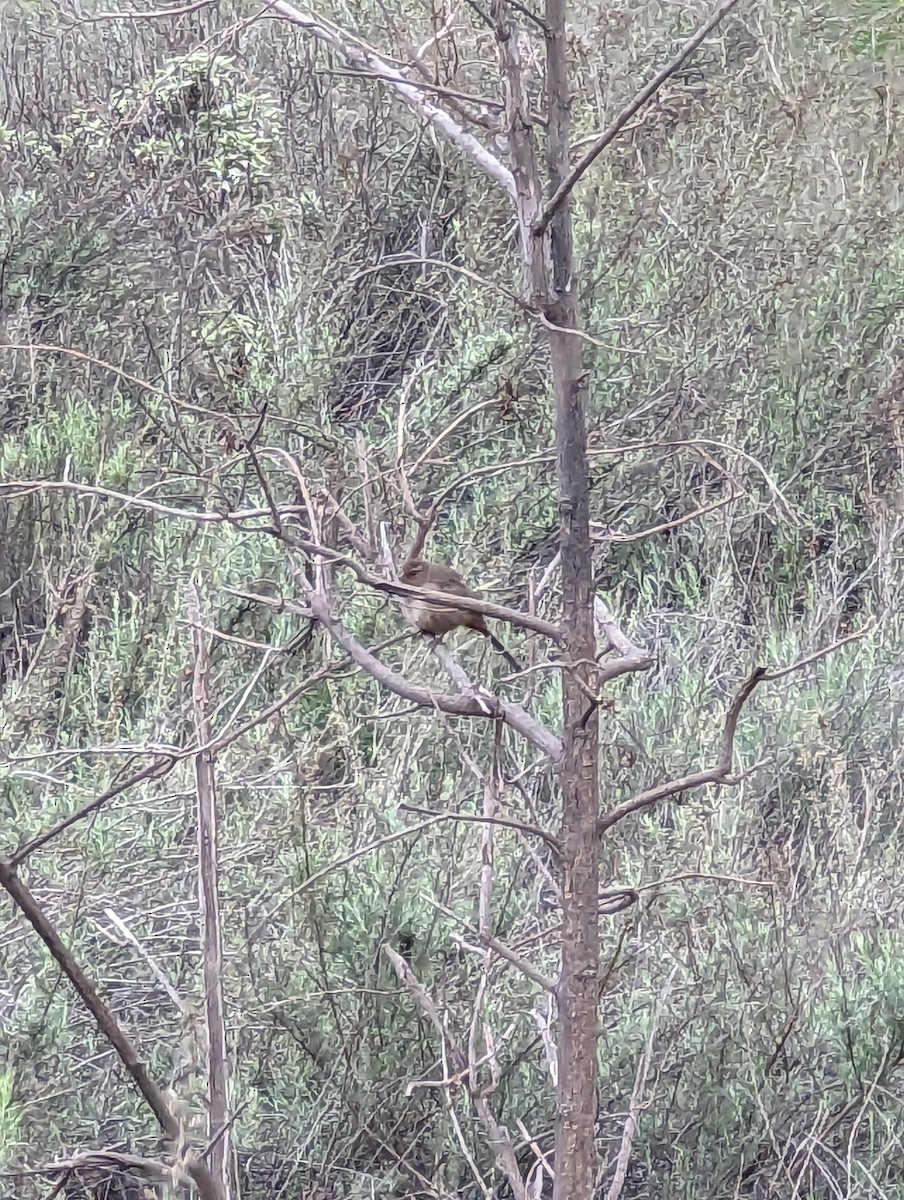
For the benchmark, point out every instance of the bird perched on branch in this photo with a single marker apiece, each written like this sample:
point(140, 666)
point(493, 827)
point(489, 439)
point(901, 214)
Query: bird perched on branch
point(436, 619)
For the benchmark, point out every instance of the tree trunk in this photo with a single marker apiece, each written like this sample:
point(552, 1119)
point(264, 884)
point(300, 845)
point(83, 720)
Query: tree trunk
point(579, 973)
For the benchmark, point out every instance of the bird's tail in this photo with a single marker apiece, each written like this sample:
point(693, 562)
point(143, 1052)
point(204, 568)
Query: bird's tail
point(510, 659)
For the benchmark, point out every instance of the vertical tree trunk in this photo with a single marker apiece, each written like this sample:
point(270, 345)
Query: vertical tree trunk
point(579, 986)
point(209, 898)
point(579, 972)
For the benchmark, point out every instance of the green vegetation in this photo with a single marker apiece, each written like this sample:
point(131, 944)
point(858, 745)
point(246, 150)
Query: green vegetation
point(197, 229)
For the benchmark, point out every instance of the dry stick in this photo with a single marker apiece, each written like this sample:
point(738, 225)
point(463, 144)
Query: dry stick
point(493, 402)
point(609, 135)
point(493, 610)
point(361, 545)
point(632, 657)
point(209, 896)
point(815, 657)
point(499, 289)
point(364, 468)
point(149, 15)
point(108, 1026)
point(491, 788)
point(713, 876)
point(721, 772)
point(620, 538)
point(156, 970)
point(497, 1136)
point(542, 1159)
point(144, 384)
point(27, 486)
point(169, 760)
point(407, 497)
point(426, 85)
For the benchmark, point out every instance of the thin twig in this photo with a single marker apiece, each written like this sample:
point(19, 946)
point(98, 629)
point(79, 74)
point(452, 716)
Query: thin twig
point(609, 135)
point(480, 819)
point(720, 773)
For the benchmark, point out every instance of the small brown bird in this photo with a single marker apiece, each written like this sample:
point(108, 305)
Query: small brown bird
point(437, 619)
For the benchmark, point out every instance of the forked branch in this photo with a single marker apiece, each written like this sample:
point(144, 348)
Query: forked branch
point(720, 773)
point(483, 705)
point(611, 133)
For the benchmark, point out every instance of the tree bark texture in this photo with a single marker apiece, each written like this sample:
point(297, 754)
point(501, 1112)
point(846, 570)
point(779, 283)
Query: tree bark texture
point(579, 972)
point(209, 902)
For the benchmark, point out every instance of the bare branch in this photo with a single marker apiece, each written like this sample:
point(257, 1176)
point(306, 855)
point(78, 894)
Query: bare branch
point(608, 535)
point(609, 135)
point(450, 428)
point(484, 705)
point(357, 55)
point(480, 819)
point(170, 757)
point(209, 895)
point(152, 14)
point(345, 861)
point(108, 1026)
point(635, 1104)
point(25, 487)
point(497, 1137)
point(154, 771)
point(489, 941)
point(812, 658)
point(631, 656)
point(134, 1163)
point(721, 773)
point(498, 611)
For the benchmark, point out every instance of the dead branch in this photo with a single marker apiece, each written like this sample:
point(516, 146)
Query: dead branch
point(489, 942)
point(477, 818)
point(345, 861)
point(207, 1185)
point(168, 759)
point(484, 705)
point(635, 1104)
point(720, 773)
point(357, 55)
point(607, 535)
point(209, 894)
point(155, 771)
point(609, 135)
point(112, 1160)
point(497, 1136)
point(809, 659)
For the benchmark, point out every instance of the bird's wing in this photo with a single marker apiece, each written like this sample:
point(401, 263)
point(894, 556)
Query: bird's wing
point(455, 587)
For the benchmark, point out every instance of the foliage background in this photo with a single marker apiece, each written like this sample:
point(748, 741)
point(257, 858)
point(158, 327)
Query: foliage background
point(207, 212)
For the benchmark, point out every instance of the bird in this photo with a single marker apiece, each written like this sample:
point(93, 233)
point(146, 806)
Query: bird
point(438, 619)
